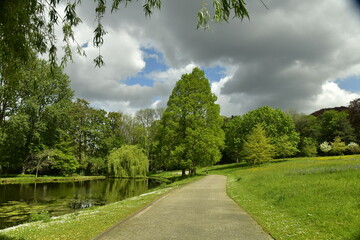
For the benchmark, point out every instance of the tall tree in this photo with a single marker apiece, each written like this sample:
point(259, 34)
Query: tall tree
point(336, 124)
point(257, 147)
point(190, 133)
point(32, 118)
point(354, 116)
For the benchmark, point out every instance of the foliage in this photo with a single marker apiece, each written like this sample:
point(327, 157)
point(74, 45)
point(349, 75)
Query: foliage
point(41, 216)
point(190, 133)
point(338, 146)
point(127, 161)
point(279, 127)
point(325, 147)
point(33, 112)
point(309, 147)
point(336, 124)
point(353, 147)
point(232, 148)
point(257, 147)
point(354, 116)
point(27, 26)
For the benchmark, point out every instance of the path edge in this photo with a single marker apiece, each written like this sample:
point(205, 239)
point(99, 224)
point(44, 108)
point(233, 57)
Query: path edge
point(132, 215)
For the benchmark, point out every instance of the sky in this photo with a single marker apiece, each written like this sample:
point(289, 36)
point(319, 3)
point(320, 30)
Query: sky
point(292, 55)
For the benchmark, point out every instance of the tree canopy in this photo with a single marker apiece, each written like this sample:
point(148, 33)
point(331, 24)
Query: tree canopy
point(190, 133)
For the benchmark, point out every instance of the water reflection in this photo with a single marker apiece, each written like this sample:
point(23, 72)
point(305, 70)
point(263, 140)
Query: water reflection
point(17, 201)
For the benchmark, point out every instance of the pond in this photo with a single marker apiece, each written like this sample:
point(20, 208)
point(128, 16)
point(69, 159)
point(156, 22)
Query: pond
point(17, 201)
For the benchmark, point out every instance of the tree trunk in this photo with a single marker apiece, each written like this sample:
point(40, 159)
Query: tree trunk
point(183, 173)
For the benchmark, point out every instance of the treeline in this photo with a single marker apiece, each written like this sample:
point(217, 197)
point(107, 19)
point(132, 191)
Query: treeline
point(330, 132)
point(43, 130)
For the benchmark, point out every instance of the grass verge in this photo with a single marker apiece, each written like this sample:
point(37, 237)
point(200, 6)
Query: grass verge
point(302, 198)
point(88, 223)
point(33, 179)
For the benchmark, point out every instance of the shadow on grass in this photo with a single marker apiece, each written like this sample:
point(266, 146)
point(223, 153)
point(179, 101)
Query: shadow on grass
point(4, 237)
point(244, 165)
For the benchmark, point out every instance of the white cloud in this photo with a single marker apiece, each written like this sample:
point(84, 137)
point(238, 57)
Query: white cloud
point(288, 56)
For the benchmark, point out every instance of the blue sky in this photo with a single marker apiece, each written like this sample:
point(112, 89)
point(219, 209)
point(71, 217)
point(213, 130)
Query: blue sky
point(351, 84)
point(155, 62)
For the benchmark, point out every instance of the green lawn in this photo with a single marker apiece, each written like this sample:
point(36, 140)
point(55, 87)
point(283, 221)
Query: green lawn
point(301, 198)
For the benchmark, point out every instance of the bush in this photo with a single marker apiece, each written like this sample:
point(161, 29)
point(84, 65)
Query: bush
point(325, 147)
point(353, 147)
point(337, 146)
point(309, 147)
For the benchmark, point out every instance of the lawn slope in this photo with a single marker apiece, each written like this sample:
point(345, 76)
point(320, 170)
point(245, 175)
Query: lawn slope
point(303, 198)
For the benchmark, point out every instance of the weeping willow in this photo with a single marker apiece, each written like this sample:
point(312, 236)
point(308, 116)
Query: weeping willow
point(128, 161)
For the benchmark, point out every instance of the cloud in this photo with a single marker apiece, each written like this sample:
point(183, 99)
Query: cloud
point(288, 56)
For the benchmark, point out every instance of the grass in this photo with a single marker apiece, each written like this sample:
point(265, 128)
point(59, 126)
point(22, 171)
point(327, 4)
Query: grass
point(301, 198)
point(32, 179)
point(88, 223)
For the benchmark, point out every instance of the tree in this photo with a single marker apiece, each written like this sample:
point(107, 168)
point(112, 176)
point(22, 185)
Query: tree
point(190, 133)
point(34, 116)
point(336, 124)
point(308, 147)
point(278, 126)
point(29, 26)
point(337, 146)
point(257, 147)
point(232, 148)
point(127, 161)
point(354, 116)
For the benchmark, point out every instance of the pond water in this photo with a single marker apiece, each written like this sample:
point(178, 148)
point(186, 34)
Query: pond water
point(17, 201)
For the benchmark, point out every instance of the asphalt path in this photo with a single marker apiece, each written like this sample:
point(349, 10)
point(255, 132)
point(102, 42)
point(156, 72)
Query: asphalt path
point(200, 210)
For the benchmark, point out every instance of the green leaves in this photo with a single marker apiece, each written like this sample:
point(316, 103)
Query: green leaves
point(257, 147)
point(190, 130)
point(222, 12)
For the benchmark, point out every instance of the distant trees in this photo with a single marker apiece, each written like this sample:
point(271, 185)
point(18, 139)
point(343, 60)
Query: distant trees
point(279, 128)
point(190, 133)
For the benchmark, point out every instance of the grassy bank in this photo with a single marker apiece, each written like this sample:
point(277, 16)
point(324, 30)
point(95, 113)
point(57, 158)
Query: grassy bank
point(88, 223)
point(303, 198)
point(33, 179)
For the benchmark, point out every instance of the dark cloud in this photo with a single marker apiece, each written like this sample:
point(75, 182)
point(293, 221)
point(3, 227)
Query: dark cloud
point(282, 57)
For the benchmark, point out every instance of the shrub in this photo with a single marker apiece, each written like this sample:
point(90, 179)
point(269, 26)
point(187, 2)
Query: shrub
point(41, 216)
point(353, 147)
point(338, 146)
point(309, 147)
point(325, 147)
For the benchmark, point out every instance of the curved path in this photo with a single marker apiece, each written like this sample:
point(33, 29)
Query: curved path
point(200, 210)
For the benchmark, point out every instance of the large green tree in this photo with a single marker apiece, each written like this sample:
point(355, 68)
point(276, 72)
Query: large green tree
point(190, 133)
point(257, 147)
point(278, 126)
point(336, 124)
point(354, 116)
point(33, 115)
point(127, 161)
